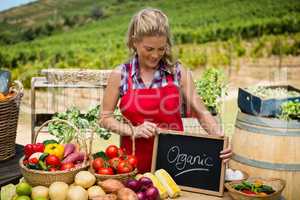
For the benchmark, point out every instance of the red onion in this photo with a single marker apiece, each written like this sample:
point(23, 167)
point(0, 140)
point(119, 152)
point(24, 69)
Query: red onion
point(141, 196)
point(145, 182)
point(133, 184)
point(152, 193)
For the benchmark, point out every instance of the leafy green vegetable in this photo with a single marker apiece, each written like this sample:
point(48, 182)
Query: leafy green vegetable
point(101, 154)
point(290, 110)
point(8, 191)
point(254, 187)
point(49, 142)
point(83, 122)
point(266, 189)
point(210, 88)
point(270, 93)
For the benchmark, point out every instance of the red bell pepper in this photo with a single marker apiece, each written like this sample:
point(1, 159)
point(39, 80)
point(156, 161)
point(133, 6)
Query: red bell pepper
point(28, 150)
point(38, 147)
point(248, 192)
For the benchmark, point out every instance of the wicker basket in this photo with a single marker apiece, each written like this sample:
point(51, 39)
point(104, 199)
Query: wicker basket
point(9, 114)
point(45, 178)
point(76, 76)
point(121, 177)
point(277, 184)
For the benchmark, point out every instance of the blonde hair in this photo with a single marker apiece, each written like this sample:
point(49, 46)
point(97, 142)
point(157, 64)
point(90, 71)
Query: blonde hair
point(150, 22)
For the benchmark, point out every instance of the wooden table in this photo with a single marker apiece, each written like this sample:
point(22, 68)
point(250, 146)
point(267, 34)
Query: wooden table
point(10, 173)
point(9, 169)
point(196, 196)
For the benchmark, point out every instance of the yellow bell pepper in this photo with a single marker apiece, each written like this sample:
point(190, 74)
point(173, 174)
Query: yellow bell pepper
point(258, 183)
point(55, 149)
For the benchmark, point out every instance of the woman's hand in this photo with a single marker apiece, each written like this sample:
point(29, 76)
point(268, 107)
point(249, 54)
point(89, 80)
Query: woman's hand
point(226, 154)
point(145, 130)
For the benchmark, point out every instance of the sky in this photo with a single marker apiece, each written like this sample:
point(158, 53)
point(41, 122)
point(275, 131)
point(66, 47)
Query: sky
point(6, 4)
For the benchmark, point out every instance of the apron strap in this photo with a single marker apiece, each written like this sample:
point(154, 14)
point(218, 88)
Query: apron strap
point(170, 78)
point(130, 86)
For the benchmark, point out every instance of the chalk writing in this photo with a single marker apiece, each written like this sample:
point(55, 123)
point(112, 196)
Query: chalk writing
point(188, 163)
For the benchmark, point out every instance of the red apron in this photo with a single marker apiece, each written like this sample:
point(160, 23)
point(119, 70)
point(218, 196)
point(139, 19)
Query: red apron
point(157, 105)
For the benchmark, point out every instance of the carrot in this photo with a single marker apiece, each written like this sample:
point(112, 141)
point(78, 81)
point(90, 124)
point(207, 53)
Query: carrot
point(4, 97)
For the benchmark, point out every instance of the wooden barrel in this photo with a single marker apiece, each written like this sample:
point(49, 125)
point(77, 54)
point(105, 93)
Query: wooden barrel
point(268, 147)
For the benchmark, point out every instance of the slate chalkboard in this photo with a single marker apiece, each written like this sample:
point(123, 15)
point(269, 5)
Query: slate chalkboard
point(192, 160)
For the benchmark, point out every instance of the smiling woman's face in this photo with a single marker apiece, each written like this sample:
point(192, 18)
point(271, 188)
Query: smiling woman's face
point(150, 50)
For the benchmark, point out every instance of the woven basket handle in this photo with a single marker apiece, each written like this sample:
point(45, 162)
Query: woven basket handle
point(132, 134)
point(18, 88)
point(132, 137)
point(77, 136)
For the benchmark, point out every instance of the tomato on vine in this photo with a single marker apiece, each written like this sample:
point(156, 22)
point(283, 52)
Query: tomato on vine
point(132, 159)
point(112, 151)
point(105, 171)
point(124, 167)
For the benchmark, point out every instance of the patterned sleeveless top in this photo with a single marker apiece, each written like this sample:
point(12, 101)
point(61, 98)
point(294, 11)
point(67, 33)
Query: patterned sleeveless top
point(159, 79)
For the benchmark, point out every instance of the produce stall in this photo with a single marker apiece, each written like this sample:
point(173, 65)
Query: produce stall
point(67, 168)
point(118, 184)
point(196, 196)
point(85, 181)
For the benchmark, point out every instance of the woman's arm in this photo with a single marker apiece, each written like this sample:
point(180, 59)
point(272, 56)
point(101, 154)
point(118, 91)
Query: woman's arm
point(110, 101)
point(206, 120)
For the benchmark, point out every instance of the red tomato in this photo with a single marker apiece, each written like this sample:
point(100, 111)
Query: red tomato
point(105, 170)
point(25, 162)
point(52, 160)
point(132, 159)
point(121, 152)
point(67, 166)
point(124, 167)
point(33, 161)
point(114, 162)
point(112, 151)
point(98, 163)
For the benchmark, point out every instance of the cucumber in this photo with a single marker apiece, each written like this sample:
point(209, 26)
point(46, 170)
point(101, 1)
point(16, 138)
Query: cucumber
point(43, 165)
point(43, 156)
point(33, 166)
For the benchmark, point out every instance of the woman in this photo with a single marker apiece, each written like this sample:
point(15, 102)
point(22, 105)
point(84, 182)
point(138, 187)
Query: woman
point(148, 87)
